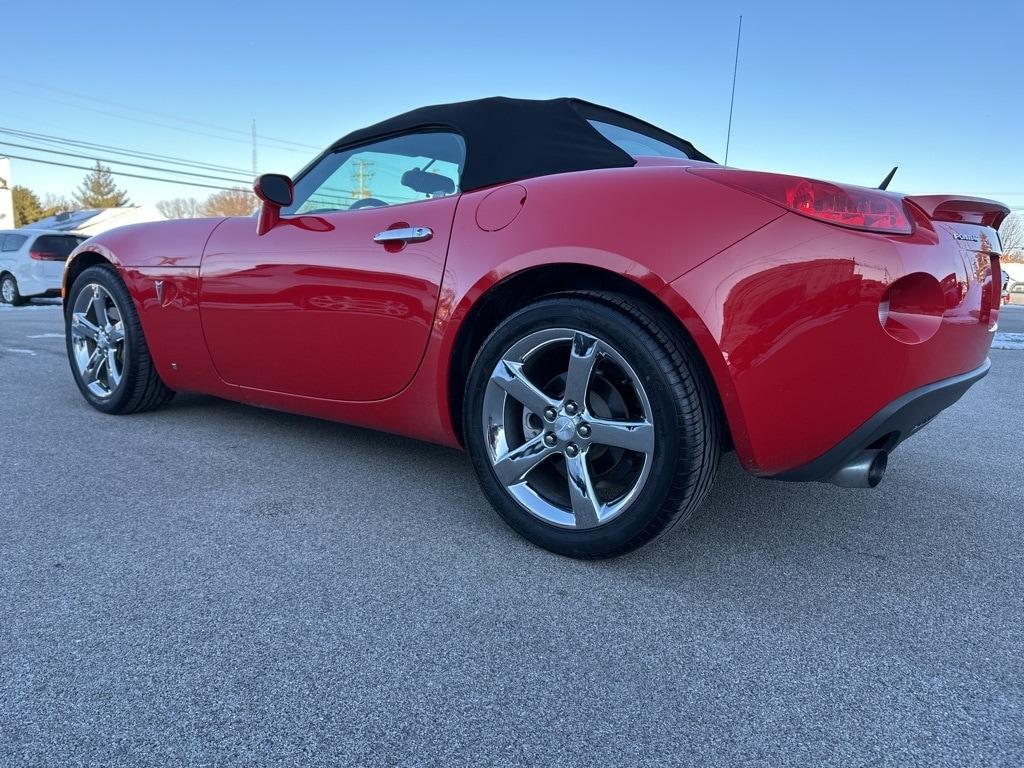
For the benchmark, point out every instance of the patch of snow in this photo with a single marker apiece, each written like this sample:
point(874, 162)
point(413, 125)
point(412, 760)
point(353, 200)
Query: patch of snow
point(46, 336)
point(29, 307)
point(1008, 341)
point(19, 351)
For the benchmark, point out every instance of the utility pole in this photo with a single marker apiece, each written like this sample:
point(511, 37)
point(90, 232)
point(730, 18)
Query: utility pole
point(362, 178)
point(254, 171)
point(732, 98)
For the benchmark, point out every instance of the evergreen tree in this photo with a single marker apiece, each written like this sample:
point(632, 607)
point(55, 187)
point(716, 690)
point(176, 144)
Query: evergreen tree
point(27, 207)
point(98, 190)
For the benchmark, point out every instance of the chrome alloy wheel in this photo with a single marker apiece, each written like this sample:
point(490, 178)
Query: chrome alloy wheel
point(97, 338)
point(568, 428)
point(7, 290)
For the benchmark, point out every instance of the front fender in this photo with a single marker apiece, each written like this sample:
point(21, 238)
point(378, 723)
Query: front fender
point(83, 256)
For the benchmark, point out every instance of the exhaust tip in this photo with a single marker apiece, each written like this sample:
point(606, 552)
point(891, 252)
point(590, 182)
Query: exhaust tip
point(876, 470)
point(865, 470)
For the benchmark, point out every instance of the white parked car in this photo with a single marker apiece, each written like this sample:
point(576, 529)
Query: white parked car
point(32, 262)
point(1013, 283)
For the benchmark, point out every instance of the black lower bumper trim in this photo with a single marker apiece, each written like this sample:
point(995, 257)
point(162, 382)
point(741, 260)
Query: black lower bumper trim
point(890, 426)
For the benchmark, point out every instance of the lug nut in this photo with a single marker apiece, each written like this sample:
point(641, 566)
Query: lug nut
point(550, 413)
point(550, 439)
point(584, 430)
point(571, 450)
point(570, 408)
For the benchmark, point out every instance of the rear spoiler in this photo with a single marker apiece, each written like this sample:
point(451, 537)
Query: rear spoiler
point(963, 210)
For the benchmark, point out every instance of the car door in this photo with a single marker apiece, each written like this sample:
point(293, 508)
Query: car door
point(6, 256)
point(11, 244)
point(324, 305)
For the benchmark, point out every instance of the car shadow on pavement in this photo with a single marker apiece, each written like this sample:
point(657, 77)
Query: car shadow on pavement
point(744, 520)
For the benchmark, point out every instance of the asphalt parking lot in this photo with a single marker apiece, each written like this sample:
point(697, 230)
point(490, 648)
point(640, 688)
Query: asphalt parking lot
point(214, 584)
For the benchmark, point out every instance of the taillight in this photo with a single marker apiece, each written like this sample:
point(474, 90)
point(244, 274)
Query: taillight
point(857, 207)
point(45, 256)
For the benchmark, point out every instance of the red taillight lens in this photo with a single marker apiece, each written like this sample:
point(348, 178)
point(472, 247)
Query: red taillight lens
point(857, 207)
point(45, 256)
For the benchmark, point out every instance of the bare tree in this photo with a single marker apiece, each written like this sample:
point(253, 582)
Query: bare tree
point(54, 204)
point(230, 202)
point(179, 208)
point(1011, 235)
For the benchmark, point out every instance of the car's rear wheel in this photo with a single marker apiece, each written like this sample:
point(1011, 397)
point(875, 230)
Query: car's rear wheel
point(9, 293)
point(106, 347)
point(592, 427)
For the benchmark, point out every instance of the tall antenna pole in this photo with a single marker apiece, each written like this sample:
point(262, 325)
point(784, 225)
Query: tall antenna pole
point(732, 98)
point(255, 172)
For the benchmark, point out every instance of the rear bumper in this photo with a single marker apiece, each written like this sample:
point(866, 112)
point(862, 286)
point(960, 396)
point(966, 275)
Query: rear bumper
point(811, 330)
point(890, 426)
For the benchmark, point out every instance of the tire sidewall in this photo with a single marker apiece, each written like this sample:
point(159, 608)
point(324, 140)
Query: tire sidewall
point(106, 277)
point(624, 335)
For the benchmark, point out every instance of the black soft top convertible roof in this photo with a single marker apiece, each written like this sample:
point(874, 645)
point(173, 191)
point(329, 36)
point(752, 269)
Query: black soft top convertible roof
point(510, 139)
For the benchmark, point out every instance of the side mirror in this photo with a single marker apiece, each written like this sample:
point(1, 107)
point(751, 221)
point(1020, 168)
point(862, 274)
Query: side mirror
point(274, 188)
point(276, 192)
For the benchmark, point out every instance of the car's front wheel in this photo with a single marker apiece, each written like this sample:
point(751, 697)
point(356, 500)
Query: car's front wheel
point(593, 428)
point(106, 347)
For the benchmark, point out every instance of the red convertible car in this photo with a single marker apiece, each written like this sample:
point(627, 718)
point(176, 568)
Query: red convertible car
point(585, 303)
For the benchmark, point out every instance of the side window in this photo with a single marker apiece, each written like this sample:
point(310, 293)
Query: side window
point(634, 143)
point(12, 242)
point(402, 169)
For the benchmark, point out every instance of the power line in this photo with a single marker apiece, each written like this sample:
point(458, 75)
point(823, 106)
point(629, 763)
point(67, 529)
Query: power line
point(119, 173)
point(121, 162)
point(159, 123)
point(130, 108)
point(174, 160)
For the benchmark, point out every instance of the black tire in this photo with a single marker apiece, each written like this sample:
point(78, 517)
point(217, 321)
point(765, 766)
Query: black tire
point(141, 388)
point(688, 424)
point(9, 288)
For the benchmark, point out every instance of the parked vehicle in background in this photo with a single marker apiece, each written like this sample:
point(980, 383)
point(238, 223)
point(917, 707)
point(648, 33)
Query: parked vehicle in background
point(1013, 285)
point(1014, 293)
point(32, 262)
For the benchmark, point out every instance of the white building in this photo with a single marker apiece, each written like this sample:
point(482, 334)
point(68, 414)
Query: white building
point(6, 198)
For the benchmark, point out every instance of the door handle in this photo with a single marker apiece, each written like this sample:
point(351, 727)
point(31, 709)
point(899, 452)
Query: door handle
point(404, 235)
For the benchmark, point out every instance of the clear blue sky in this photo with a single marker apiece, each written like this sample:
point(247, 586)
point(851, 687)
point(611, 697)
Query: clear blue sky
point(835, 91)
